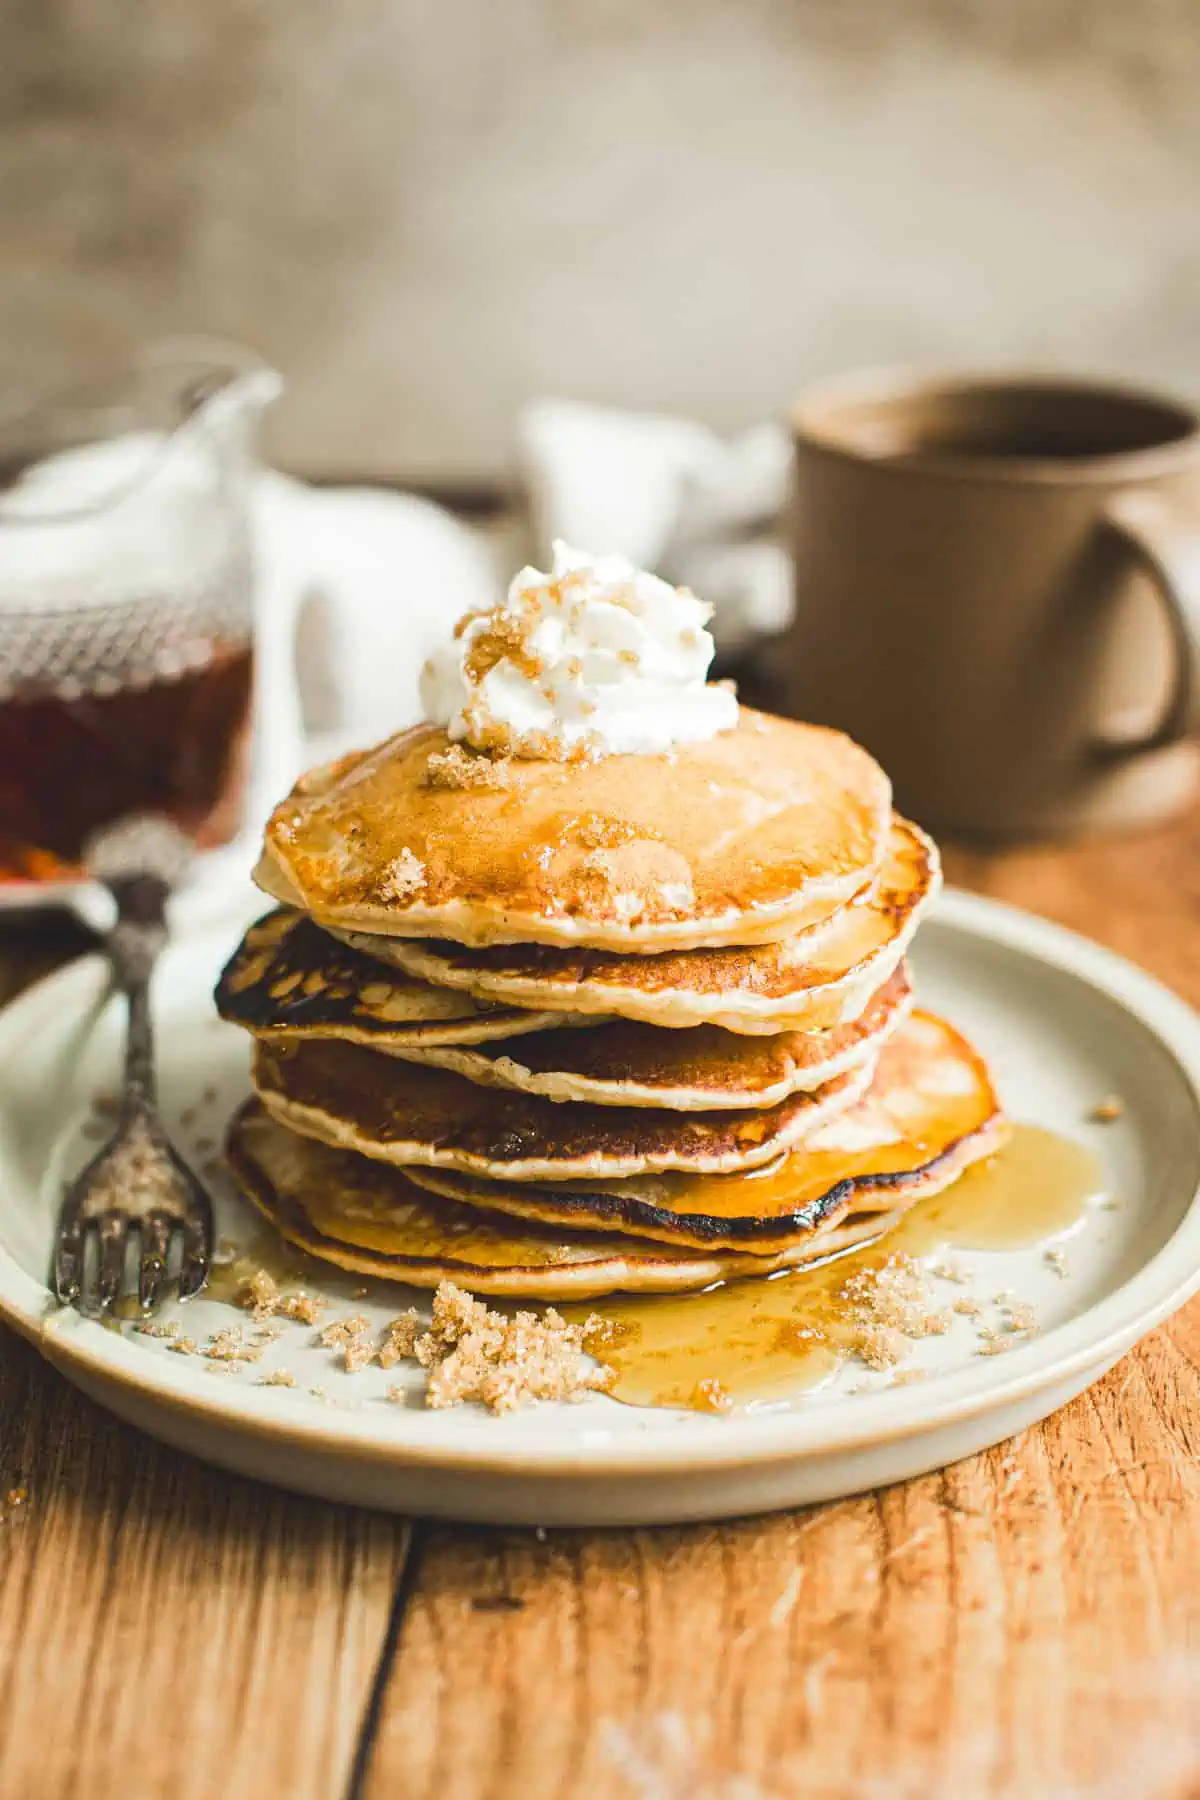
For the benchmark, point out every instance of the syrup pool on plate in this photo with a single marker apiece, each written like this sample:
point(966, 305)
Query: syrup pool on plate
point(753, 1341)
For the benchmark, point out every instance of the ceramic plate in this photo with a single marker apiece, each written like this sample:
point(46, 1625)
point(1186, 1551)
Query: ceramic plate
point(1064, 1024)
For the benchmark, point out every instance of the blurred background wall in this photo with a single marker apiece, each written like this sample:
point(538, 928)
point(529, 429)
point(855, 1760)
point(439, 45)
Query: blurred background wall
point(427, 211)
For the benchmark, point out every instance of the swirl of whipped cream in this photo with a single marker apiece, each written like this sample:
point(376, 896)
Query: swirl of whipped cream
point(595, 658)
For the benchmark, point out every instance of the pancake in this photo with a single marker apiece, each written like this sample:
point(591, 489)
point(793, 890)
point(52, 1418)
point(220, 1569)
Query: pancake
point(799, 985)
point(624, 1063)
point(370, 1219)
point(353, 1098)
point(747, 836)
point(288, 978)
point(931, 1111)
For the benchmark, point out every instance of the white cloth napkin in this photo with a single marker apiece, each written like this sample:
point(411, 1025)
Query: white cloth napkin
point(672, 496)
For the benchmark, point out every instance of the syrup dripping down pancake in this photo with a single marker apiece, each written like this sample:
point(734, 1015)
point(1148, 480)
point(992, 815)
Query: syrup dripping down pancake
point(370, 1219)
point(753, 834)
point(288, 978)
point(408, 1114)
point(806, 983)
point(930, 1112)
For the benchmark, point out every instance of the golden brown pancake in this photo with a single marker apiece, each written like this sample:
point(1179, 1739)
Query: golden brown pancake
point(288, 978)
point(930, 1112)
point(749, 835)
point(623, 1063)
point(798, 985)
point(370, 1219)
point(407, 1114)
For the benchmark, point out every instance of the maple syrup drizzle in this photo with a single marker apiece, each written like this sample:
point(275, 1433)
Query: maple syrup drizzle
point(748, 1341)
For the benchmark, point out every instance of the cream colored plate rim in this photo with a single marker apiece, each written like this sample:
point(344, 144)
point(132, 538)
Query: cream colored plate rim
point(535, 1442)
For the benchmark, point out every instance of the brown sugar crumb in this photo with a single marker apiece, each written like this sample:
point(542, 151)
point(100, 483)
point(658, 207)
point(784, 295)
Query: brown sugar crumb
point(1105, 1111)
point(229, 1347)
point(152, 1328)
point(969, 1307)
point(879, 1346)
point(302, 1308)
point(357, 1353)
point(1057, 1260)
point(710, 1395)
point(996, 1346)
point(400, 1339)
point(472, 1353)
point(888, 1307)
point(948, 1271)
point(906, 1377)
point(458, 768)
point(183, 1346)
point(277, 1378)
point(261, 1295)
point(1020, 1316)
point(403, 878)
point(350, 1336)
point(340, 1331)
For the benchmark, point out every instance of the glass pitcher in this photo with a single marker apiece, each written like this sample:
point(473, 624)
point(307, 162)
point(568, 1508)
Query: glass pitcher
point(127, 604)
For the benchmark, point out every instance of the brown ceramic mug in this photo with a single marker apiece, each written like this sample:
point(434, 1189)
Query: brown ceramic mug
point(998, 592)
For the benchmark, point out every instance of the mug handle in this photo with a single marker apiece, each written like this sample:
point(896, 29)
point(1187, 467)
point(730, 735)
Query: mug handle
point(1166, 548)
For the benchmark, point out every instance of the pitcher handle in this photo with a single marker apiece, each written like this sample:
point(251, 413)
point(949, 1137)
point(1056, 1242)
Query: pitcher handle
point(1166, 548)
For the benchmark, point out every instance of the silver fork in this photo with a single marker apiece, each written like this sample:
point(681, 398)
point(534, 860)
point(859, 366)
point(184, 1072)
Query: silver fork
point(138, 1183)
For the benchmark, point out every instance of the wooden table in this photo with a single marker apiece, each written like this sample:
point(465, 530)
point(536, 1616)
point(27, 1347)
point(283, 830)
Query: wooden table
point(1023, 1626)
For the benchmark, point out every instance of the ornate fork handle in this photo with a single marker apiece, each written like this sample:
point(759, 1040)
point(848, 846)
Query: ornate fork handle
point(133, 947)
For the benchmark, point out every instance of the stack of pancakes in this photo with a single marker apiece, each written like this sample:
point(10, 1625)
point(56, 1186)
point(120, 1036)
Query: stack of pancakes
point(556, 1029)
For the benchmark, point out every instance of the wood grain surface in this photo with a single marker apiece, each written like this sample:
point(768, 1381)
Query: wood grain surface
point(1025, 1624)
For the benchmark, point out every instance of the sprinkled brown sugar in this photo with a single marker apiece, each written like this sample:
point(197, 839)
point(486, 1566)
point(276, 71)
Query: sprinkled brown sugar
point(472, 1353)
point(458, 768)
point(350, 1336)
point(400, 1339)
point(261, 1295)
point(889, 1307)
point(151, 1328)
point(278, 1378)
point(404, 877)
point(229, 1346)
point(505, 639)
point(1020, 1316)
point(339, 1331)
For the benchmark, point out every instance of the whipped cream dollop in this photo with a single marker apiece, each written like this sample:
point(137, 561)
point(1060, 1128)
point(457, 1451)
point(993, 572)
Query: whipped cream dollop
point(595, 658)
